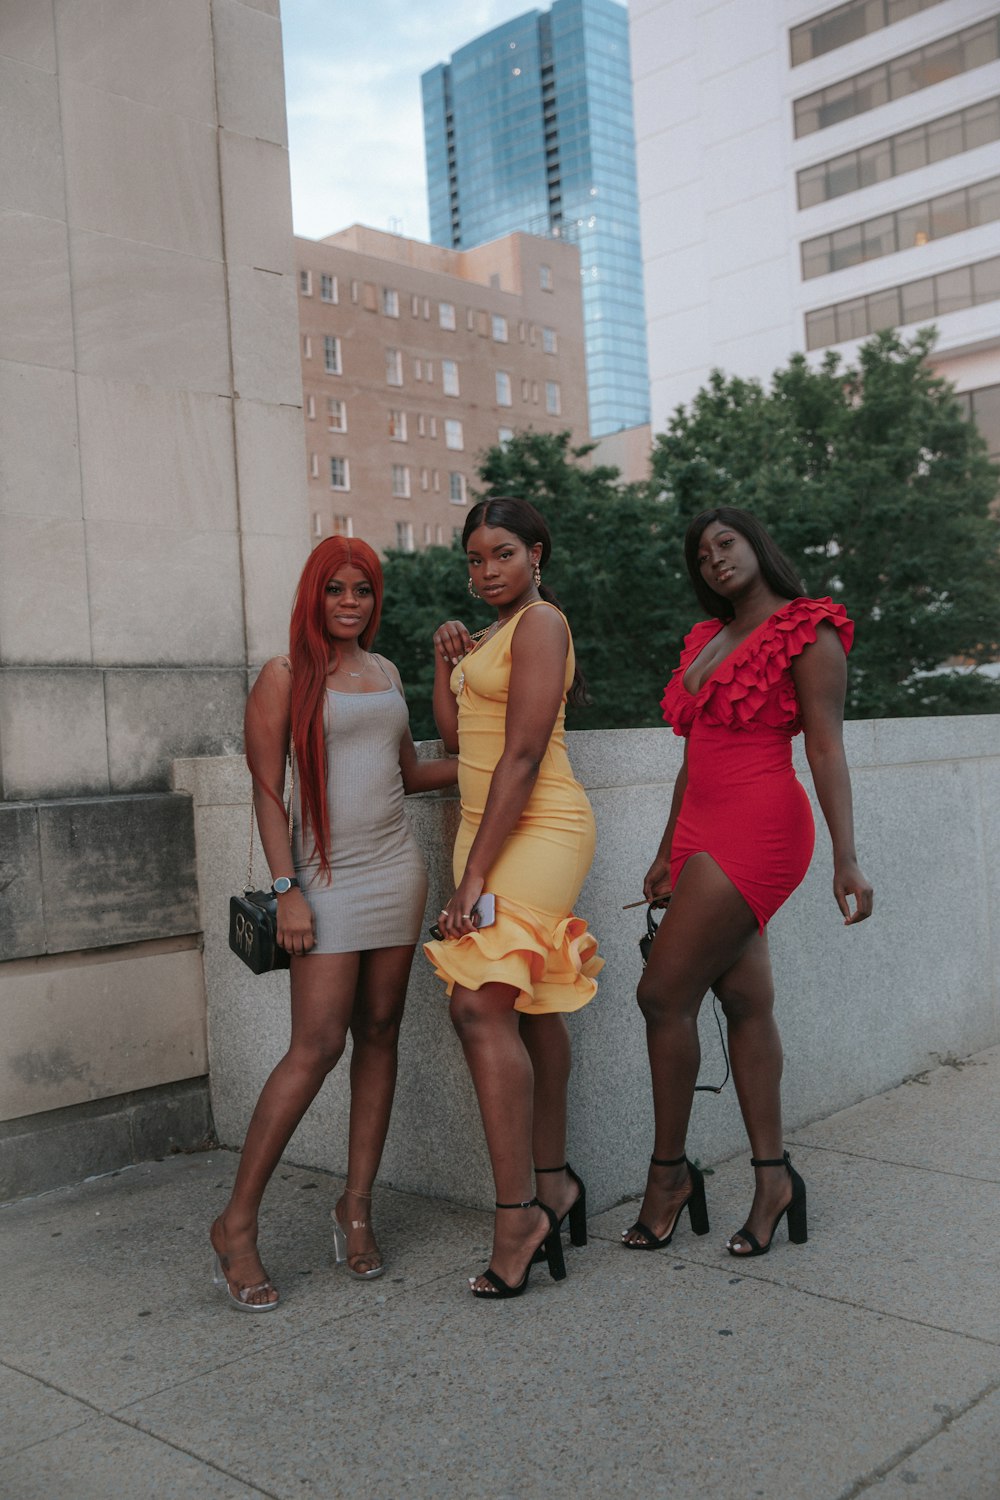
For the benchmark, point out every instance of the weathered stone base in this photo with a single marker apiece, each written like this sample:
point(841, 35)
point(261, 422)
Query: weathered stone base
point(60, 1146)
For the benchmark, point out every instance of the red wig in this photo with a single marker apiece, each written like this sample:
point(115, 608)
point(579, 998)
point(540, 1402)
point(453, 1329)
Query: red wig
point(314, 653)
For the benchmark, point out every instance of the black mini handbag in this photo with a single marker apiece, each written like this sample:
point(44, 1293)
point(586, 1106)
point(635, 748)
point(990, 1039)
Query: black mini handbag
point(253, 916)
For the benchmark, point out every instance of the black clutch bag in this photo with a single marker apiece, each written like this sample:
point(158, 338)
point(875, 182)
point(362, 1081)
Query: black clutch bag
point(253, 931)
point(253, 916)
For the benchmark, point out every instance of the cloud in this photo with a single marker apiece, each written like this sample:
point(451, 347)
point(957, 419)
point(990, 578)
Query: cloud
point(355, 123)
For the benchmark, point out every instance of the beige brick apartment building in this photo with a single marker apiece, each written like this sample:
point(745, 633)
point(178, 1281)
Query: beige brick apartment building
point(415, 359)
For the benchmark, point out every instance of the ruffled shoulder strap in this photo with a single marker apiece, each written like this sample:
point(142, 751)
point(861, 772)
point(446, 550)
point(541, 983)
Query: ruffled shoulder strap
point(797, 624)
point(697, 638)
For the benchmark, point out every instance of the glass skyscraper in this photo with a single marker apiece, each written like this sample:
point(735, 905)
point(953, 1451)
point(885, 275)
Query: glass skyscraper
point(530, 128)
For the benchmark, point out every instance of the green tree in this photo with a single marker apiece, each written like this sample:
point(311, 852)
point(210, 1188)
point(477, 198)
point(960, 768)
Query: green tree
point(872, 480)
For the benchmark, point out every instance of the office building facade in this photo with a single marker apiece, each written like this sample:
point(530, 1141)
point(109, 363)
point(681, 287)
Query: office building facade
point(415, 360)
point(810, 175)
point(530, 128)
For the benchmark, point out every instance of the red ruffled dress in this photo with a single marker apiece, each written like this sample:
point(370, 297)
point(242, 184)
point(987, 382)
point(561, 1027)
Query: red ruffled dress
point(743, 803)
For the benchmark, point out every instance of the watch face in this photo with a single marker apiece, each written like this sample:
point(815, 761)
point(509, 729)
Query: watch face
point(282, 884)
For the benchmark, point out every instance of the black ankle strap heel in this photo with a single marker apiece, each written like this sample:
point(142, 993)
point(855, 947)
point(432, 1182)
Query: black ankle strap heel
point(695, 1202)
point(577, 1213)
point(797, 1220)
point(551, 1245)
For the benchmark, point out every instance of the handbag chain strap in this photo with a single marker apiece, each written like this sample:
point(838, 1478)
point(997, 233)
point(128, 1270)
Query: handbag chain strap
point(291, 810)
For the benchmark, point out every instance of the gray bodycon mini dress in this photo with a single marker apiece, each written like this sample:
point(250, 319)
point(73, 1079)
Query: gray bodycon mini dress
point(378, 886)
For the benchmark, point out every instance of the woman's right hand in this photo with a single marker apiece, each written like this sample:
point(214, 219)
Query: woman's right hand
point(296, 931)
point(451, 642)
point(657, 885)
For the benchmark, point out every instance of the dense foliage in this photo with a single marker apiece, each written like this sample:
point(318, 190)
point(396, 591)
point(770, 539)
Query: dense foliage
point(869, 477)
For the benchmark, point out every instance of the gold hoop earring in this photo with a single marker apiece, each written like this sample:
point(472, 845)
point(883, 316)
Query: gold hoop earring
point(472, 589)
point(536, 576)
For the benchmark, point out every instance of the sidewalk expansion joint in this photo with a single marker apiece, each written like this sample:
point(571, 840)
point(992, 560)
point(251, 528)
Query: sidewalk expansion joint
point(888, 1161)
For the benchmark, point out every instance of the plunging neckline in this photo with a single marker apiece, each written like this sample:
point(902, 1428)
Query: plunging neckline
point(722, 660)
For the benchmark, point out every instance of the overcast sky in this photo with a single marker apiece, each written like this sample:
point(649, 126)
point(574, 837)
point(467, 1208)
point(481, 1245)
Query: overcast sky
point(355, 125)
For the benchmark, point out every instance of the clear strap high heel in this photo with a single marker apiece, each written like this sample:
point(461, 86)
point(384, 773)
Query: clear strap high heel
point(238, 1299)
point(341, 1256)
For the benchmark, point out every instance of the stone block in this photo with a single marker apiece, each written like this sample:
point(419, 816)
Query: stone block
point(264, 322)
point(31, 147)
point(117, 870)
point(271, 569)
point(156, 457)
point(164, 596)
point(250, 81)
point(36, 1163)
point(270, 463)
point(27, 33)
point(114, 191)
point(22, 929)
point(950, 737)
point(256, 203)
point(156, 716)
point(152, 316)
point(36, 317)
point(159, 55)
point(177, 1117)
point(52, 731)
point(43, 558)
point(39, 458)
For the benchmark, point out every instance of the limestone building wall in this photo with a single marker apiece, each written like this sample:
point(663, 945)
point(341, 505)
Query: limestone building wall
point(860, 1009)
point(152, 515)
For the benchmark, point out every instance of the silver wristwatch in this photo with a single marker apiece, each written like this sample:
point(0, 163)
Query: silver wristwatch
point(282, 884)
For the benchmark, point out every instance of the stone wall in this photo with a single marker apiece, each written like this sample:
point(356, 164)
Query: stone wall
point(859, 1008)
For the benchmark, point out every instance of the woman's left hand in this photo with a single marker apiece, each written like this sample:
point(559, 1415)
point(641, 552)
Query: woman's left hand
point(849, 881)
point(456, 918)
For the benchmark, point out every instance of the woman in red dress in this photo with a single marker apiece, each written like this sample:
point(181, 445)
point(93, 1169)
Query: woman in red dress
point(738, 841)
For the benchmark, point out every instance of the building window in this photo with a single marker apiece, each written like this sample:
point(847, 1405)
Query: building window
point(421, 425)
point(397, 426)
point(428, 369)
point(436, 481)
point(390, 302)
point(499, 329)
point(355, 291)
point(545, 278)
point(314, 465)
point(343, 526)
point(427, 534)
point(470, 318)
point(453, 435)
point(446, 315)
point(311, 408)
point(439, 535)
point(522, 330)
point(456, 488)
point(394, 367)
point(328, 288)
point(549, 345)
point(504, 435)
point(945, 58)
point(401, 481)
point(913, 302)
point(846, 23)
point(340, 474)
point(449, 377)
point(317, 525)
point(418, 369)
point(983, 407)
point(336, 414)
point(525, 390)
point(553, 402)
point(918, 224)
point(950, 135)
point(404, 536)
point(534, 391)
point(427, 309)
point(503, 388)
point(306, 283)
point(434, 427)
point(425, 479)
point(414, 306)
point(331, 354)
point(307, 346)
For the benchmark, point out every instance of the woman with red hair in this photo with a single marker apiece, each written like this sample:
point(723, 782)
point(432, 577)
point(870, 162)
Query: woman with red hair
point(350, 892)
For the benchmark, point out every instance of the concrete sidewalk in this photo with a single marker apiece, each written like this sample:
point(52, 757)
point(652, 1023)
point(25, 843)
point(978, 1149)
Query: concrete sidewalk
point(867, 1361)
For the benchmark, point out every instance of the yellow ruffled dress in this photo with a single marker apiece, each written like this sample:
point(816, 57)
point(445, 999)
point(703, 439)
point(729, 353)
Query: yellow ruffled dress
point(536, 944)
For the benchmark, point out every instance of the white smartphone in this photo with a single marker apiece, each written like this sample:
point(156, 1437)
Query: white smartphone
point(484, 913)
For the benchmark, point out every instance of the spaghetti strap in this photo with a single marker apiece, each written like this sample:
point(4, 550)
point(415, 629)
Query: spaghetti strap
point(385, 674)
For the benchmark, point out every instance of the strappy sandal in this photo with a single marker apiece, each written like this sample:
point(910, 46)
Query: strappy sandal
point(238, 1296)
point(576, 1213)
point(695, 1204)
point(798, 1228)
point(551, 1245)
point(340, 1243)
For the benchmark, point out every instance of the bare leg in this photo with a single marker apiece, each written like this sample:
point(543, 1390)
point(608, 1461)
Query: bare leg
point(487, 1027)
point(706, 928)
point(378, 1012)
point(547, 1041)
point(323, 994)
point(746, 992)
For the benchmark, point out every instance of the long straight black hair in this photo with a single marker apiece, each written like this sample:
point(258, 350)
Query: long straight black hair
point(779, 573)
point(528, 524)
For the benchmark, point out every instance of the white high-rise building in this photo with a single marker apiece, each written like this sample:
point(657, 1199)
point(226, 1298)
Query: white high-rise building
point(809, 174)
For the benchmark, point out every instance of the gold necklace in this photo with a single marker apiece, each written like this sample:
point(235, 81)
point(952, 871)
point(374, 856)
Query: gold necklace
point(480, 637)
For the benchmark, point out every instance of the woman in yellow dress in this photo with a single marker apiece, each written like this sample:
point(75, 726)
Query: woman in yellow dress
point(527, 840)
